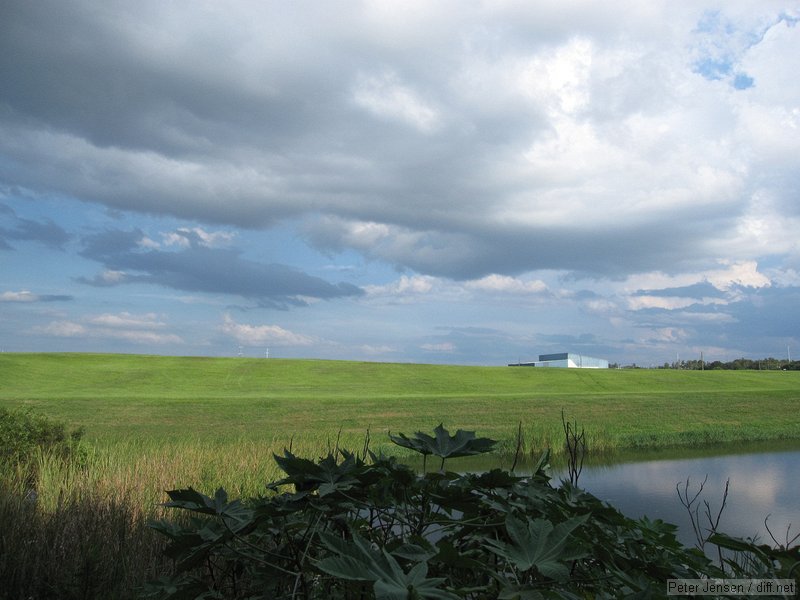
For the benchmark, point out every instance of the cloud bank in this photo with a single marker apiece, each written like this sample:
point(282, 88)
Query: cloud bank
point(614, 162)
point(478, 140)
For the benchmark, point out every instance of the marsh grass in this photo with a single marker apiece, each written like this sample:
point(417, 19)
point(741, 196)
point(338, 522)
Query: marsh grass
point(79, 529)
point(72, 538)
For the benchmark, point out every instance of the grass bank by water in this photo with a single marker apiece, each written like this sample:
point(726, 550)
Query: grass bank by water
point(156, 422)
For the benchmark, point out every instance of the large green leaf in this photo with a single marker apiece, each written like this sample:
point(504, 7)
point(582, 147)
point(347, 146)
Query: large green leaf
point(415, 552)
point(356, 561)
point(326, 476)
point(414, 584)
point(444, 445)
point(191, 499)
point(540, 544)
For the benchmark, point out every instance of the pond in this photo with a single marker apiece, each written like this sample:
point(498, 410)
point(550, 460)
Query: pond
point(764, 482)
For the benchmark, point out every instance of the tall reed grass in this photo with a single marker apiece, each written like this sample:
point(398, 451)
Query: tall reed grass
point(74, 529)
point(74, 534)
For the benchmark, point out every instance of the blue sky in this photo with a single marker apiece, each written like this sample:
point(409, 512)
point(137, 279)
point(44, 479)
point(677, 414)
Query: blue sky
point(465, 183)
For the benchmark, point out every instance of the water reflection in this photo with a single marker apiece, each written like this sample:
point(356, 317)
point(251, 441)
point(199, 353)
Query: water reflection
point(761, 484)
point(764, 481)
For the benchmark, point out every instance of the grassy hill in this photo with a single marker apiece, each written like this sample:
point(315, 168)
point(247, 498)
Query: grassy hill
point(232, 399)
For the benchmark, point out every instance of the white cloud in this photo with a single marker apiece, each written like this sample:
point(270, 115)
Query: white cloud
point(213, 239)
point(743, 273)
point(558, 78)
point(111, 276)
point(138, 329)
point(668, 335)
point(767, 227)
point(385, 96)
point(175, 239)
point(27, 297)
point(361, 233)
point(128, 320)
point(141, 337)
point(62, 329)
point(669, 303)
point(22, 296)
point(376, 350)
point(602, 306)
point(405, 286)
point(506, 284)
point(149, 244)
point(253, 335)
point(443, 347)
point(770, 75)
point(183, 237)
point(785, 277)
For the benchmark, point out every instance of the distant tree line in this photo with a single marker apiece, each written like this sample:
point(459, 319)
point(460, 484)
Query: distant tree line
point(762, 364)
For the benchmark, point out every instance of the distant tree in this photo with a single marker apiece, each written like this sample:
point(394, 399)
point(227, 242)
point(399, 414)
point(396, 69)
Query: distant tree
point(763, 364)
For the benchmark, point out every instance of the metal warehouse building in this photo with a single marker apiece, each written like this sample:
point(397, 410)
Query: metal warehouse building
point(565, 360)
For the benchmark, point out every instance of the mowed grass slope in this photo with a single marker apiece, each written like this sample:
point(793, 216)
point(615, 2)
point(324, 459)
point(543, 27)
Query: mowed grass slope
point(126, 397)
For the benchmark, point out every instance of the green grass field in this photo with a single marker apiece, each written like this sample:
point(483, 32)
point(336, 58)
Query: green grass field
point(124, 398)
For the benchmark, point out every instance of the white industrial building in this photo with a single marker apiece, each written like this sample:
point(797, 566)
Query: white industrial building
point(565, 360)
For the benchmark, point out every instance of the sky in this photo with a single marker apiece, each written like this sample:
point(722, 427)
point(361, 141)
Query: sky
point(434, 182)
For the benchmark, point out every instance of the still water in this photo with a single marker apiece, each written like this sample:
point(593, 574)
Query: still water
point(764, 481)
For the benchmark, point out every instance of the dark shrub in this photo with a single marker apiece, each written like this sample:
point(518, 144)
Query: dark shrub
point(22, 432)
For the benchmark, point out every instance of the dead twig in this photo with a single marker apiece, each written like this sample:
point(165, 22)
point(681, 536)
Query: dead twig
point(576, 448)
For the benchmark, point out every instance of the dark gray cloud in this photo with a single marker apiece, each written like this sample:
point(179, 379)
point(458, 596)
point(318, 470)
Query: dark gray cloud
point(484, 141)
point(17, 228)
point(47, 232)
point(697, 290)
point(89, 72)
point(610, 250)
point(753, 322)
point(769, 312)
point(203, 269)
